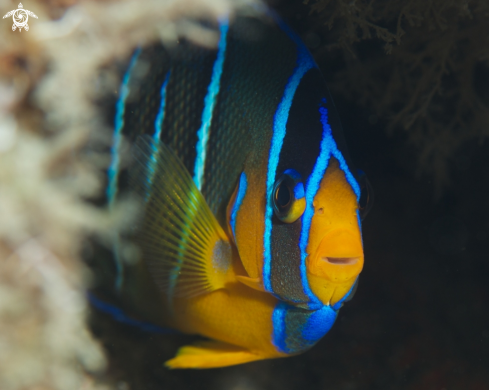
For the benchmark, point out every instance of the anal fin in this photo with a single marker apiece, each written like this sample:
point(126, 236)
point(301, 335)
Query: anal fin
point(211, 354)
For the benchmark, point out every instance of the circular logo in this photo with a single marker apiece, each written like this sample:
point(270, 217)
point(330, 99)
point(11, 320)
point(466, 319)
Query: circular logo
point(20, 17)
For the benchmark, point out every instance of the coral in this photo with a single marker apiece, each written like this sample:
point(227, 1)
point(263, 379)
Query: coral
point(50, 79)
point(427, 86)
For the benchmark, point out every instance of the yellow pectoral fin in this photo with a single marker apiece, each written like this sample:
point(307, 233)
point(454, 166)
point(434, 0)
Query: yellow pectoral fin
point(254, 283)
point(211, 354)
point(181, 241)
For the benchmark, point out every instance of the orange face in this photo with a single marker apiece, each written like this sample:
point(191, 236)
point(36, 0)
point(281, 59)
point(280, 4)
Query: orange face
point(335, 250)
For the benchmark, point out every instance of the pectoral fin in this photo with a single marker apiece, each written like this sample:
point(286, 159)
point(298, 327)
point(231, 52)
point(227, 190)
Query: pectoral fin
point(186, 249)
point(211, 354)
point(254, 283)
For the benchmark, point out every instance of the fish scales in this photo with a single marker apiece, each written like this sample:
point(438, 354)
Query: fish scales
point(189, 76)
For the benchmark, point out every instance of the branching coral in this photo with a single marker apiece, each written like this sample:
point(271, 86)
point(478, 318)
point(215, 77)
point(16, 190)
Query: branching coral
point(49, 83)
point(426, 86)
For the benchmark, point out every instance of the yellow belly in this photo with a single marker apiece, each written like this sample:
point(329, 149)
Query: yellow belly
point(236, 316)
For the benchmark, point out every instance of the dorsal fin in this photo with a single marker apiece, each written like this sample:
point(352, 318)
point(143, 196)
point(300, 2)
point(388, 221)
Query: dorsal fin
point(186, 249)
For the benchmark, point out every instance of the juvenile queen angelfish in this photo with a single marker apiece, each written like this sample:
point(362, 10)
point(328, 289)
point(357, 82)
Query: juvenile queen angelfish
point(251, 229)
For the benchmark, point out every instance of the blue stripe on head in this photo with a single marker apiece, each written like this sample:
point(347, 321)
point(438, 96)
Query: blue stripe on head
point(328, 148)
point(360, 225)
point(293, 174)
point(113, 171)
point(299, 190)
point(209, 104)
point(157, 134)
point(243, 184)
point(304, 63)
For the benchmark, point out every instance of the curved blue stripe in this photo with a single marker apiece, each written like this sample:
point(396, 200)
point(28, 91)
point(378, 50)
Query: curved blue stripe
point(243, 184)
point(157, 134)
point(295, 330)
point(209, 104)
point(328, 148)
point(279, 326)
point(113, 171)
point(299, 191)
point(161, 113)
point(118, 315)
point(318, 324)
point(337, 154)
point(304, 63)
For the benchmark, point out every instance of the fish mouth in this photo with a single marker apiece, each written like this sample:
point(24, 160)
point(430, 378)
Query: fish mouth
point(328, 292)
point(340, 260)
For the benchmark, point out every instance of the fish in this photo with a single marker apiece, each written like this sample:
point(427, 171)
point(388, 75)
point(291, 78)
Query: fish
point(250, 227)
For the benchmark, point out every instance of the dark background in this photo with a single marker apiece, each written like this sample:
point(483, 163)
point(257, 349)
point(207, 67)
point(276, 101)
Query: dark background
point(420, 317)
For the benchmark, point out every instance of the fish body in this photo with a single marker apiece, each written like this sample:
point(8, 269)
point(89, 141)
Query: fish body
point(251, 231)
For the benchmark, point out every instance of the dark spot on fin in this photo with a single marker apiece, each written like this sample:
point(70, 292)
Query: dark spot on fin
point(178, 236)
point(119, 315)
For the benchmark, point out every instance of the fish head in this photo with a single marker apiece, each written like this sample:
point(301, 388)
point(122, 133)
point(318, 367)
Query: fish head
point(296, 213)
point(316, 245)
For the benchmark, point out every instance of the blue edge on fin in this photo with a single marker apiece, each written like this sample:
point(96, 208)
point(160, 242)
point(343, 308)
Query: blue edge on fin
point(118, 315)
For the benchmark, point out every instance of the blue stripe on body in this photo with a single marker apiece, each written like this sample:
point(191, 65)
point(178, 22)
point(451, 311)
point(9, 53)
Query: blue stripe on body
point(243, 184)
point(279, 327)
point(328, 148)
point(113, 171)
point(118, 315)
point(203, 138)
point(157, 134)
point(304, 64)
point(209, 104)
point(161, 113)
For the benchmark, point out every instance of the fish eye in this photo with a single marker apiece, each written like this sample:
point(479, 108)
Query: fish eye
point(283, 195)
point(366, 200)
point(288, 197)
